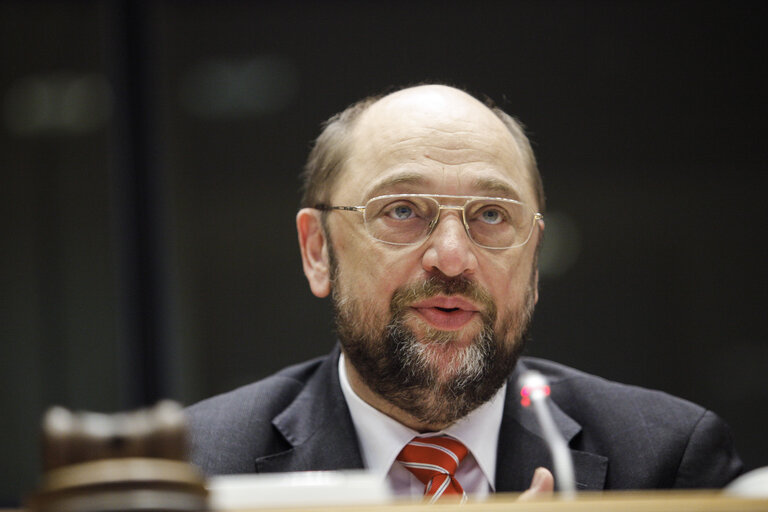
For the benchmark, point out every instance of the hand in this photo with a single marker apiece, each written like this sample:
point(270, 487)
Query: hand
point(542, 485)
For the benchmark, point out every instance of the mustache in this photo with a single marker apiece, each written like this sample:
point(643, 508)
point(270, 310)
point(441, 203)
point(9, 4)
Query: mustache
point(442, 285)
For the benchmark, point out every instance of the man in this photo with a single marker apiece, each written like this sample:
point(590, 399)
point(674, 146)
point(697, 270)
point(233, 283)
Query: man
point(422, 220)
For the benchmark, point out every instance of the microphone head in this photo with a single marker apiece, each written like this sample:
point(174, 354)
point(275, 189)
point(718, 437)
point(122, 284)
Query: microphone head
point(533, 386)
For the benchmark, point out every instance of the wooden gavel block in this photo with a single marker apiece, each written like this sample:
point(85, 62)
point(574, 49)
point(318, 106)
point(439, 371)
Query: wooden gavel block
point(125, 461)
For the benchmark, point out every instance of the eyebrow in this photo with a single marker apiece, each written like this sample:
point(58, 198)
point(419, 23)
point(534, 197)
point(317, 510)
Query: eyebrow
point(408, 178)
point(496, 187)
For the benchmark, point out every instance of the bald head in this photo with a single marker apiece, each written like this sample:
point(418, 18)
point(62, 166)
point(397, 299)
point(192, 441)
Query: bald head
point(426, 103)
point(379, 125)
point(431, 101)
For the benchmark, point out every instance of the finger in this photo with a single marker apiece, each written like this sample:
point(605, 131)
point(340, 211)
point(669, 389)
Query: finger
point(542, 485)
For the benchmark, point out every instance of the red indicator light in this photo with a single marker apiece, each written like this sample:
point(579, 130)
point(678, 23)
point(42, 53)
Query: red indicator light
point(525, 392)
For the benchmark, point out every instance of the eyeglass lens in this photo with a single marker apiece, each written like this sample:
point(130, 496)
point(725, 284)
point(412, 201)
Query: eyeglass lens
point(408, 219)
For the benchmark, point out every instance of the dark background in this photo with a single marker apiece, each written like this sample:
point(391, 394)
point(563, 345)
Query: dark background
point(149, 154)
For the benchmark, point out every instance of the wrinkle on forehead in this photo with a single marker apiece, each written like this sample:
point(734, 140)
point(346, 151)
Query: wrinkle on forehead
point(457, 148)
point(407, 182)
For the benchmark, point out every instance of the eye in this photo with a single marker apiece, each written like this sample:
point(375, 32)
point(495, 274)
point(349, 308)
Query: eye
point(401, 212)
point(492, 216)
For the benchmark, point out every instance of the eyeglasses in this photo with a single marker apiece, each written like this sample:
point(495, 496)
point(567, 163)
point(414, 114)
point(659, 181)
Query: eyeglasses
point(409, 219)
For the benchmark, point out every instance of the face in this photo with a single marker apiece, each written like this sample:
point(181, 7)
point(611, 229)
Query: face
point(433, 328)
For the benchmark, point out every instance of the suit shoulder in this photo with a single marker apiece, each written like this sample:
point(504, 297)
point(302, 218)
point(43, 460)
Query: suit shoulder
point(228, 430)
point(572, 386)
point(273, 392)
point(653, 439)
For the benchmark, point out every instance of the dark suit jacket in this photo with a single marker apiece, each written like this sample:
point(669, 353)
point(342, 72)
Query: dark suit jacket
point(621, 437)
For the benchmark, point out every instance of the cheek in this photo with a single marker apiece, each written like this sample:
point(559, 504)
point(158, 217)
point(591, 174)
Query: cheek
point(368, 271)
point(509, 283)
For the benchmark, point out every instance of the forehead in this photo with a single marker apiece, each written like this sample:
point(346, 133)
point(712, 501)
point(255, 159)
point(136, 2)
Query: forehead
point(430, 143)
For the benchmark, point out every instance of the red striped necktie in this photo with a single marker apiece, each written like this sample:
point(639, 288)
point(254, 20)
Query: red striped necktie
point(433, 460)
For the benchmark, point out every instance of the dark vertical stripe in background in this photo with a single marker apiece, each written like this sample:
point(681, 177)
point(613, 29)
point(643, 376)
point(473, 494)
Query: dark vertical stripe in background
point(139, 199)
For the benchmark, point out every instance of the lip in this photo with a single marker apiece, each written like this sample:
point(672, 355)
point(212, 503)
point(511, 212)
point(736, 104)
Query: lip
point(453, 302)
point(446, 313)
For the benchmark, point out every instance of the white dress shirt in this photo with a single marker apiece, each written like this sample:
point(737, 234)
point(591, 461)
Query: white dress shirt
point(381, 439)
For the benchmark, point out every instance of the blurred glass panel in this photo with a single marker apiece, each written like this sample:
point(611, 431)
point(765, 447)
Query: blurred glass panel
point(230, 88)
point(58, 103)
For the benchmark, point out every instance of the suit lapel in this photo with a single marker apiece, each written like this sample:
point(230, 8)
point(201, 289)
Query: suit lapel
point(522, 447)
point(318, 427)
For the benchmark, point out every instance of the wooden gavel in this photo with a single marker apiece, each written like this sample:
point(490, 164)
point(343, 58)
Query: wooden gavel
point(125, 461)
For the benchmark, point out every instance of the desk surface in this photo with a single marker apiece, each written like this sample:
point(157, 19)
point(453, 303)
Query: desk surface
point(625, 501)
point(628, 501)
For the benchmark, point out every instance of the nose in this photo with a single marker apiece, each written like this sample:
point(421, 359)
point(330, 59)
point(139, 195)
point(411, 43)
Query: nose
point(449, 248)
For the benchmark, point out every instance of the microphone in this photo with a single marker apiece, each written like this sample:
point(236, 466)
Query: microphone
point(534, 389)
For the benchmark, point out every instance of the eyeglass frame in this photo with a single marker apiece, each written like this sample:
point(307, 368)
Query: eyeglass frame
point(537, 216)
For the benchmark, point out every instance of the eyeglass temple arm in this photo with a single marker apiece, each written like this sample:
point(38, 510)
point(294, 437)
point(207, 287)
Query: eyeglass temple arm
point(325, 208)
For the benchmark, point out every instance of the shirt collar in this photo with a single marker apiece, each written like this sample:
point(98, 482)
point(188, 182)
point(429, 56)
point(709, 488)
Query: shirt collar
point(381, 437)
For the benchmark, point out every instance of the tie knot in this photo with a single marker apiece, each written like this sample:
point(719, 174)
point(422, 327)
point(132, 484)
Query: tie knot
point(433, 460)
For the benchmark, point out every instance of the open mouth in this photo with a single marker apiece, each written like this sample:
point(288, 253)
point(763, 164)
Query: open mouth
point(446, 313)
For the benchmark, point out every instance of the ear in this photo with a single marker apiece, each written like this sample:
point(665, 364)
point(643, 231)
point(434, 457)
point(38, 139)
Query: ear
point(314, 251)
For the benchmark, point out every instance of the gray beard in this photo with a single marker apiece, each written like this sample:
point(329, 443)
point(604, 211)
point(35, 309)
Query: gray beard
point(399, 367)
